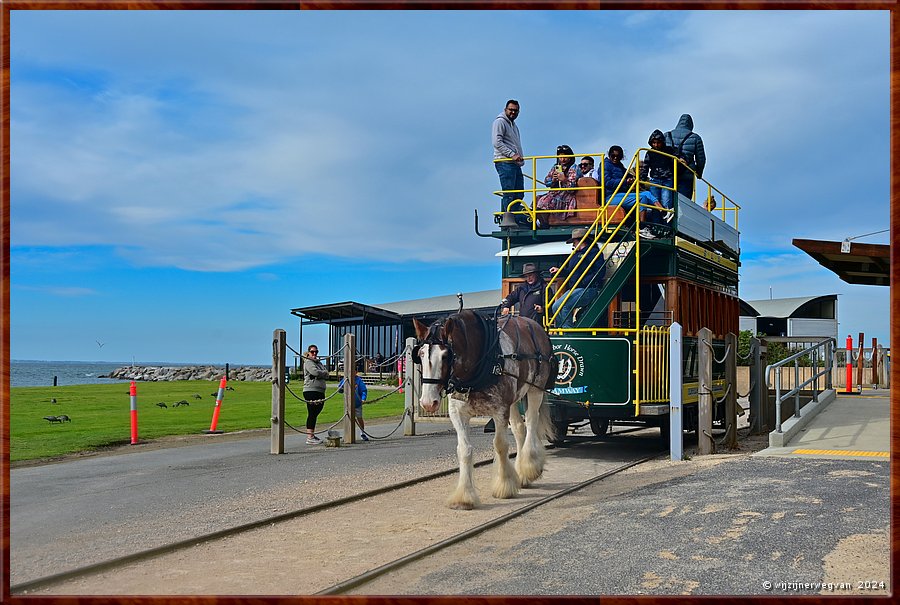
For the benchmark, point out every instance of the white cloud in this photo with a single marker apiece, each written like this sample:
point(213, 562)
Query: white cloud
point(249, 139)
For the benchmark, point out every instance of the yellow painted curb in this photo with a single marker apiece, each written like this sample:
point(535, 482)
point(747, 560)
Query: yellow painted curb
point(843, 453)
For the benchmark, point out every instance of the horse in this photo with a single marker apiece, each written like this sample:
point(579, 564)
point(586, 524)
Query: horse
point(486, 370)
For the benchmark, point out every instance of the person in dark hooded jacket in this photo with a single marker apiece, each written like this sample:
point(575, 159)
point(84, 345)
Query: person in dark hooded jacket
point(690, 147)
point(660, 169)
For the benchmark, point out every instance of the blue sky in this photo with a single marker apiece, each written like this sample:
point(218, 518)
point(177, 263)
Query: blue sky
point(181, 179)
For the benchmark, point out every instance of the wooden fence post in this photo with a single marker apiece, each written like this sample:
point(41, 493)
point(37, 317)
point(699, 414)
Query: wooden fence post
point(410, 393)
point(875, 381)
point(349, 387)
point(278, 370)
point(705, 441)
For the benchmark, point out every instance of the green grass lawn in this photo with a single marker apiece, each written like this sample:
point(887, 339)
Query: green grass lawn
point(101, 414)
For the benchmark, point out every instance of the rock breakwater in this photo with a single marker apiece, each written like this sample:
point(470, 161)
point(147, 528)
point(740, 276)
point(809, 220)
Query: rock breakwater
point(157, 373)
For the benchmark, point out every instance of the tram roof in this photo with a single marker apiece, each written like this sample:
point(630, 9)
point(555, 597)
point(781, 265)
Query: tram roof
point(866, 264)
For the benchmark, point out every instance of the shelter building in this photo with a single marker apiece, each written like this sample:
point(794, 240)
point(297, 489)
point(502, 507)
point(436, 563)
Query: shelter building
point(384, 328)
point(801, 316)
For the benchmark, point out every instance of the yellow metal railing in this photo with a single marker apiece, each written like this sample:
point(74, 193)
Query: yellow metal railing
point(598, 228)
point(653, 358)
point(531, 211)
point(703, 192)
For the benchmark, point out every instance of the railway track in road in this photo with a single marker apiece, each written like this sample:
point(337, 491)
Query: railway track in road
point(125, 574)
point(397, 564)
point(111, 564)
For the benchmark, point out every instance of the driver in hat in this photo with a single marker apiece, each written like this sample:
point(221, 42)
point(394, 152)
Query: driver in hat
point(529, 295)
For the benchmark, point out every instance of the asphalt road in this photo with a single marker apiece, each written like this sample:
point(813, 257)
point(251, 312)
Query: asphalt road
point(69, 514)
point(747, 526)
point(692, 527)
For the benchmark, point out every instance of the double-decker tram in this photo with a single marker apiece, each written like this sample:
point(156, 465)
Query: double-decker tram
point(609, 308)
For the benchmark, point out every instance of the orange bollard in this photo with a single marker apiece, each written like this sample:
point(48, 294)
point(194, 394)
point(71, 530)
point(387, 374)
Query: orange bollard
point(133, 392)
point(219, 397)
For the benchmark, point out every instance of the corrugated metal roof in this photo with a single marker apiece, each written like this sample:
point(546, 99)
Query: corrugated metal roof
point(784, 307)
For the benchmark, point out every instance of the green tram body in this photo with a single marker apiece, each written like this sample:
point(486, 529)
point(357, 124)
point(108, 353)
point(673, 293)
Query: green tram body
point(689, 274)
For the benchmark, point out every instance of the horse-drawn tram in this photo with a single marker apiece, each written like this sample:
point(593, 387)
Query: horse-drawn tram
point(619, 271)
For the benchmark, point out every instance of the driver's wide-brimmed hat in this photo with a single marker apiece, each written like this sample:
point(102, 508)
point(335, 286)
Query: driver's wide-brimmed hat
point(577, 234)
point(529, 268)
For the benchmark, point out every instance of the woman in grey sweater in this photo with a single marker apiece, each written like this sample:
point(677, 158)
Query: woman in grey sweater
point(314, 375)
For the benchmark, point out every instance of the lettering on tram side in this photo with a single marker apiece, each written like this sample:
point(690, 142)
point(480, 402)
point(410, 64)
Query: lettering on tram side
point(571, 366)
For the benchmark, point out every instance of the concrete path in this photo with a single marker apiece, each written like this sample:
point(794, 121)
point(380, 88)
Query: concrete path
point(852, 426)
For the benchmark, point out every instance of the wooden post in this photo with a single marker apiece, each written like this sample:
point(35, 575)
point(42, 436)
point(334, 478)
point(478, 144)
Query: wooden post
point(875, 381)
point(349, 387)
point(704, 387)
point(860, 363)
point(410, 395)
point(731, 397)
point(278, 369)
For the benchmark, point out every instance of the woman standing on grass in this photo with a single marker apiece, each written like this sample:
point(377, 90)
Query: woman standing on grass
point(314, 375)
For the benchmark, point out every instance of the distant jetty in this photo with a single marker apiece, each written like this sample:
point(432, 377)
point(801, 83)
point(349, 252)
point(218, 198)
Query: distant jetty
point(157, 373)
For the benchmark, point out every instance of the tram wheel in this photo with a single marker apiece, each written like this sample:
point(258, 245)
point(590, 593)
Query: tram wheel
point(561, 428)
point(665, 437)
point(600, 426)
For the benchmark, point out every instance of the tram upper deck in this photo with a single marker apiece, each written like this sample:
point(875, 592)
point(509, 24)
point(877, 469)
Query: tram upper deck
point(695, 256)
point(708, 217)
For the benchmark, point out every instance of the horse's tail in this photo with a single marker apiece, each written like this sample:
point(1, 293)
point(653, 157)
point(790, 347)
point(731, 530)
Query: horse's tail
point(545, 429)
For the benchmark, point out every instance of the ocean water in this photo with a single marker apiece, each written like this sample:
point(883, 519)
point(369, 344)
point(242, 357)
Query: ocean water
point(40, 373)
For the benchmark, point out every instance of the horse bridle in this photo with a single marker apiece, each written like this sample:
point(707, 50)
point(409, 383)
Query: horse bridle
point(450, 383)
point(433, 339)
point(486, 372)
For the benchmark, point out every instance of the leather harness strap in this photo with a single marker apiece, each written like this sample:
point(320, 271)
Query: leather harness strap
point(490, 367)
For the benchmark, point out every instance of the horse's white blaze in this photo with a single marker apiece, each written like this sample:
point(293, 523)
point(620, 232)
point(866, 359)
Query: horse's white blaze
point(431, 358)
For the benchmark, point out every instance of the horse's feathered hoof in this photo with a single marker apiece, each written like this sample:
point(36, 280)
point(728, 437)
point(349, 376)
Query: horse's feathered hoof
point(506, 489)
point(460, 505)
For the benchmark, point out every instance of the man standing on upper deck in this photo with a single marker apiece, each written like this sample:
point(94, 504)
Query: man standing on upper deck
point(508, 147)
point(690, 147)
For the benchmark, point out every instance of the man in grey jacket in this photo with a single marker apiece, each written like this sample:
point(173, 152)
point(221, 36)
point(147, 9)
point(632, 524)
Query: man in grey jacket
point(690, 146)
point(508, 147)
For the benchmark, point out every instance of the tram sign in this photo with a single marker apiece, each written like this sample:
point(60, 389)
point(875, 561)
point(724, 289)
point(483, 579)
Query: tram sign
point(593, 370)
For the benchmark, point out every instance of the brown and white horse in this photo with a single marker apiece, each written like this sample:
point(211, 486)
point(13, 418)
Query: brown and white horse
point(485, 373)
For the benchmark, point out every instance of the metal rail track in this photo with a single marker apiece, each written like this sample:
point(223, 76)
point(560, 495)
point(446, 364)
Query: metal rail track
point(111, 564)
point(46, 581)
point(370, 575)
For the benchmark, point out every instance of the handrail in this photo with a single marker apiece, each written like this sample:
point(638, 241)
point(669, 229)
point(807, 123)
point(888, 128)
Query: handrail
point(829, 344)
point(635, 209)
point(726, 208)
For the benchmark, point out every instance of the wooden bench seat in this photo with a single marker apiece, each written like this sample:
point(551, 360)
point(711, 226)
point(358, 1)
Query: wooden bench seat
point(585, 201)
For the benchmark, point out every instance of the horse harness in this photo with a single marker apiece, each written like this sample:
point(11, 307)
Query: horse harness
point(489, 369)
